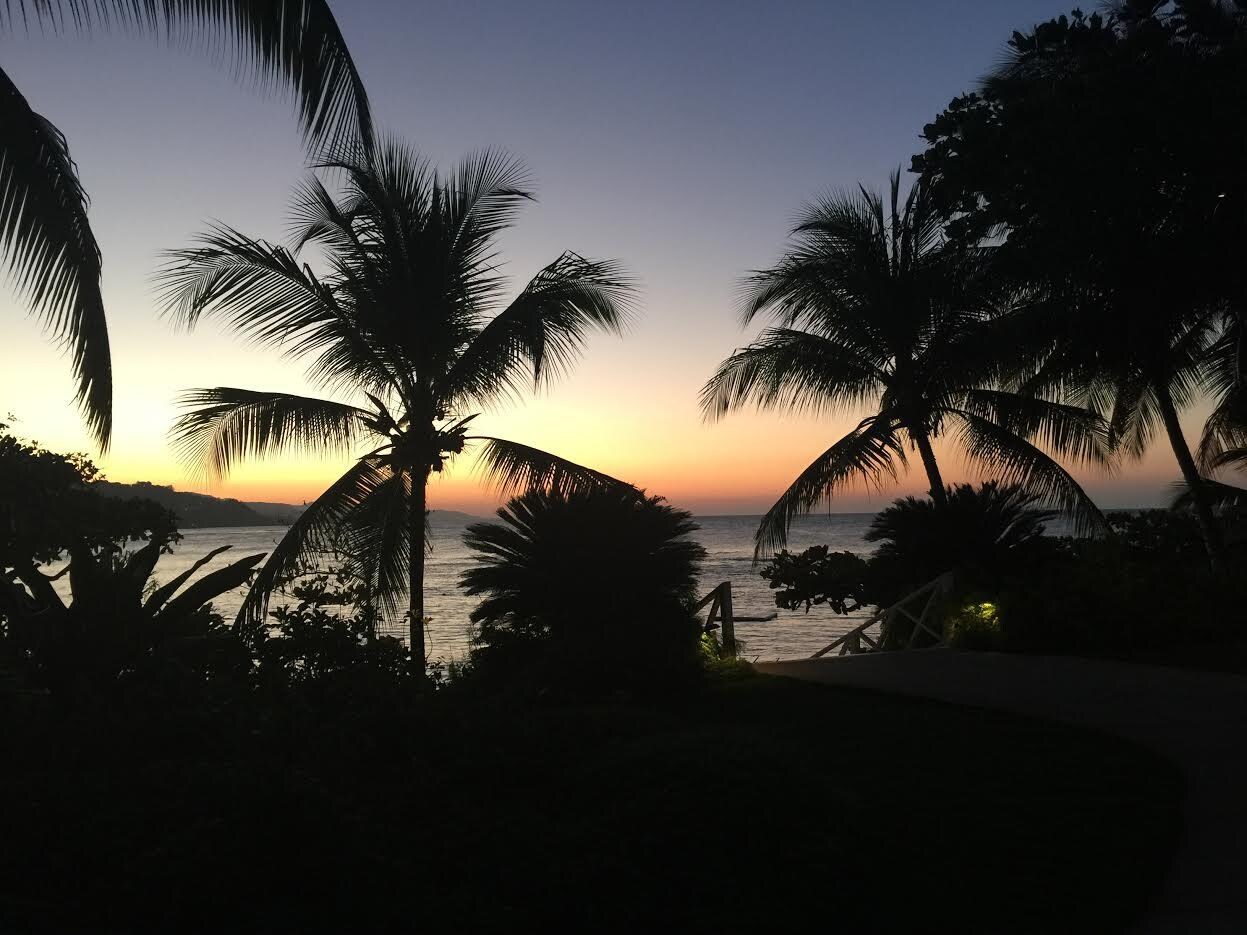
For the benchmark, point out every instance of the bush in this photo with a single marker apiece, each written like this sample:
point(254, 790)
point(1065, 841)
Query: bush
point(327, 640)
point(982, 536)
point(817, 576)
point(588, 592)
point(1144, 586)
point(975, 625)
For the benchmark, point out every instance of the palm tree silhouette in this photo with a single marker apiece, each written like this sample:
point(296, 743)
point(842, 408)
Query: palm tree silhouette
point(872, 307)
point(1131, 265)
point(1140, 377)
point(1224, 438)
point(46, 237)
point(400, 318)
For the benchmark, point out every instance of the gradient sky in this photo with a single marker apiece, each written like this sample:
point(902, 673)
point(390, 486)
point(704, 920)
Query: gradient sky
point(679, 137)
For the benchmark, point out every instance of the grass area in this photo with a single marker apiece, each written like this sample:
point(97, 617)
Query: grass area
point(757, 802)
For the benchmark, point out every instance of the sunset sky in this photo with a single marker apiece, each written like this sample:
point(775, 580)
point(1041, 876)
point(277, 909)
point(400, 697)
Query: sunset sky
point(678, 137)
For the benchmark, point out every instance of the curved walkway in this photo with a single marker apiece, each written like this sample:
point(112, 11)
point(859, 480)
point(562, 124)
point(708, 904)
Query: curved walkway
point(1196, 719)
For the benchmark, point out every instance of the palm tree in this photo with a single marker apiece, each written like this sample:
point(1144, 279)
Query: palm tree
point(872, 307)
point(45, 235)
point(400, 319)
point(1142, 377)
point(1134, 260)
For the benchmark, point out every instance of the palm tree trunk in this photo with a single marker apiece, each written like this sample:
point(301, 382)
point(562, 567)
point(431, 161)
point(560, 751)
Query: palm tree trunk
point(938, 494)
point(415, 582)
point(1208, 527)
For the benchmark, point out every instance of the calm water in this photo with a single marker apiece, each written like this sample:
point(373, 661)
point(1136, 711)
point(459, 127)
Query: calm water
point(728, 541)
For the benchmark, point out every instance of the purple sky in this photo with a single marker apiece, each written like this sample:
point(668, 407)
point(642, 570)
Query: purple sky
point(679, 137)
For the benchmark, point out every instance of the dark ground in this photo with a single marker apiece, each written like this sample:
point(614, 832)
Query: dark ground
point(757, 802)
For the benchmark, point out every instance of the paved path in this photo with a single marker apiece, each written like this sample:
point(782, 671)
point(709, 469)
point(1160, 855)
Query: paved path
point(1196, 719)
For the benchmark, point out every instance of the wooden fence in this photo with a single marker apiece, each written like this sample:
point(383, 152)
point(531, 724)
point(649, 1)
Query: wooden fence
point(722, 615)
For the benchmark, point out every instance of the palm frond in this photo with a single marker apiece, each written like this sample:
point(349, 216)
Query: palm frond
point(263, 292)
point(258, 288)
point(512, 468)
point(1220, 496)
point(484, 194)
point(827, 294)
point(792, 370)
point(871, 453)
point(316, 217)
point(539, 334)
point(294, 43)
point(50, 250)
point(376, 538)
point(1231, 457)
point(1135, 414)
point(872, 276)
point(1011, 459)
point(1068, 431)
point(225, 425)
point(317, 532)
point(1225, 432)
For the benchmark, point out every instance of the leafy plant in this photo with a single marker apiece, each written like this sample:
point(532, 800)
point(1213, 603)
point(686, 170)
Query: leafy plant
point(591, 590)
point(329, 632)
point(115, 619)
point(979, 534)
point(982, 535)
point(818, 576)
point(1146, 585)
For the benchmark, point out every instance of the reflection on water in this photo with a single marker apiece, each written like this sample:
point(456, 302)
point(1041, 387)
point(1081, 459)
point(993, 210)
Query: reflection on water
point(729, 545)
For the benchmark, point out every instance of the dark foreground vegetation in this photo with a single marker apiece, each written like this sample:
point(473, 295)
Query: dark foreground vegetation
point(167, 770)
point(354, 805)
point(1142, 590)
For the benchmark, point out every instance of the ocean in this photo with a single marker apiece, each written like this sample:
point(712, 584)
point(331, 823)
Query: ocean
point(728, 541)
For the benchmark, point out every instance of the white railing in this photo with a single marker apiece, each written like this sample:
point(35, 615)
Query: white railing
point(859, 640)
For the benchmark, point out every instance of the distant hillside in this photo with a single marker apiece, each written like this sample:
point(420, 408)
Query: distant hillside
point(281, 514)
point(201, 511)
point(194, 510)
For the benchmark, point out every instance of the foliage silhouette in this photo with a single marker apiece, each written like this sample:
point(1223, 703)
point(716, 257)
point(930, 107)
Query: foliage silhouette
point(402, 319)
point(982, 535)
point(568, 581)
point(115, 621)
point(873, 307)
point(979, 534)
point(1095, 153)
point(1147, 586)
point(47, 240)
point(326, 639)
point(818, 576)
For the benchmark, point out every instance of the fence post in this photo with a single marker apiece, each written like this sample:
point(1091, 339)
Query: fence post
point(729, 621)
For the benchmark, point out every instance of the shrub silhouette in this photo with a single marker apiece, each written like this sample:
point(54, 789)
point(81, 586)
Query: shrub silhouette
point(588, 589)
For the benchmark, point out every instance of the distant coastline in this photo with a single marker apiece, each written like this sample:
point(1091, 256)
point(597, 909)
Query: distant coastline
point(204, 511)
